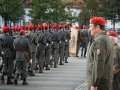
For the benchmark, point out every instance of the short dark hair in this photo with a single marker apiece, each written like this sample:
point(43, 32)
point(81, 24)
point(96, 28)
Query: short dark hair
point(102, 27)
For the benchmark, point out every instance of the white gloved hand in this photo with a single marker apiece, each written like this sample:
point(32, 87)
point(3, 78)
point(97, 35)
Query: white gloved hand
point(47, 44)
point(66, 40)
point(30, 60)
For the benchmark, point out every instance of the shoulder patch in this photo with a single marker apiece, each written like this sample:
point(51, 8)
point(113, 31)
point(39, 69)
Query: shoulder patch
point(98, 51)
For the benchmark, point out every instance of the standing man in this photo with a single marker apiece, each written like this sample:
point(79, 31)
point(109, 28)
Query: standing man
point(48, 46)
point(33, 40)
point(116, 68)
point(41, 48)
point(22, 48)
point(78, 40)
point(7, 55)
point(84, 41)
point(68, 37)
point(55, 45)
point(61, 44)
point(100, 57)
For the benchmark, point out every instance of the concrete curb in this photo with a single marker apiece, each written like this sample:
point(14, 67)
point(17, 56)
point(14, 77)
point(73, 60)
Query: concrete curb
point(83, 86)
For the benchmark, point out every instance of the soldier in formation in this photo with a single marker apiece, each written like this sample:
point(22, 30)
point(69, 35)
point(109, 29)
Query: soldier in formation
point(32, 48)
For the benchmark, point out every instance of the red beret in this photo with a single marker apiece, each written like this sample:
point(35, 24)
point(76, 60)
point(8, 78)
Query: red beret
point(84, 27)
point(31, 27)
point(26, 27)
point(65, 25)
point(16, 28)
point(60, 26)
point(98, 20)
point(77, 27)
point(39, 27)
point(45, 26)
point(22, 32)
point(13, 28)
point(112, 33)
point(5, 29)
point(54, 26)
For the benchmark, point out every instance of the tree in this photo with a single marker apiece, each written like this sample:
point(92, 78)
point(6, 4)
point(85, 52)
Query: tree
point(112, 11)
point(91, 8)
point(11, 10)
point(50, 11)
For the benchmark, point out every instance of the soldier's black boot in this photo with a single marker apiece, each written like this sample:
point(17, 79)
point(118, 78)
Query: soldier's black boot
point(47, 67)
point(32, 74)
point(16, 79)
point(61, 63)
point(9, 81)
point(66, 61)
point(40, 70)
point(24, 81)
point(55, 66)
point(2, 77)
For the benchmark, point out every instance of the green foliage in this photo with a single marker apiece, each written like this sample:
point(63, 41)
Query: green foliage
point(51, 11)
point(11, 10)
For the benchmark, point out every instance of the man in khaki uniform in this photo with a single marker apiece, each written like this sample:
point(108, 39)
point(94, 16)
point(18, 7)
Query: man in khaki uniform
point(33, 40)
point(100, 57)
point(116, 68)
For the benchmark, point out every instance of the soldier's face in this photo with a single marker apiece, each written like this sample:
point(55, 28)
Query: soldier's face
point(93, 30)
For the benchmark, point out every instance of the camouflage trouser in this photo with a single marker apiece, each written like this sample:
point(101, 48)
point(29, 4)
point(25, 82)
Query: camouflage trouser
point(8, 66)
point(41, 58)
point(47, 56)
point(22, 68)
point(66, 53)
point(33, 61)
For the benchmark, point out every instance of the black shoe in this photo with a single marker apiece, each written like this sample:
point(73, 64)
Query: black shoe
point(55, 66)
point(9, 81)
point(32, 74)
point(81, 55)
point(61, 63)
point(84, 56)
point(77, 56)
point(66, 61)
point(40, 70)
point(24, 81)
point(47, 67)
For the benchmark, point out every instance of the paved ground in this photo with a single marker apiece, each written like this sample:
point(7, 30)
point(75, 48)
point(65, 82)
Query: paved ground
point(65, 77)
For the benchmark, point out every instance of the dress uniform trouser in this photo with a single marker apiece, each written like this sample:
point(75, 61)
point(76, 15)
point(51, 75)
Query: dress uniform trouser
point(77, 49)
point(54, 53)
point(66, 51)
point(47, 56)
point(41, 58)
point(22, 68)
point(61, 53)
point(33, 61)
point(8, 66)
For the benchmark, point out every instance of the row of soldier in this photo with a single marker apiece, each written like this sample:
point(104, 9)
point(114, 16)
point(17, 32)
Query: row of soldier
point(41, 44)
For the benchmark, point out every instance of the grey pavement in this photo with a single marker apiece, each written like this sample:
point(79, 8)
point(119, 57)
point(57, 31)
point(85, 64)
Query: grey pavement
point(65, 77)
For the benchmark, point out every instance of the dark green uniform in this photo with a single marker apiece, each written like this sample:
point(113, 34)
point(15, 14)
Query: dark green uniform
point(41, 50)
point(22, 45)
point(62, 45)
point(84, 42)
point(7, 55)
point(33, 40)
point(55, 47)
point(100, 62)
point(68, 37)
point(48, 48)
point(116, 77)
